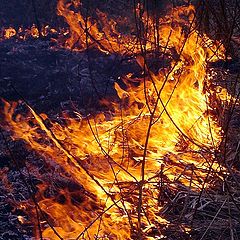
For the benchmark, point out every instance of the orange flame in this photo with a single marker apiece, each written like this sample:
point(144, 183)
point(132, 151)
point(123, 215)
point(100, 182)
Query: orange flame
point(162, 120)
point(85, 32)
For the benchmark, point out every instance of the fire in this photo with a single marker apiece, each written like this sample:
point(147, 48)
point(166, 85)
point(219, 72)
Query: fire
point(9, 32)
point(32, 32)
point(162, 125)
point(84, 32)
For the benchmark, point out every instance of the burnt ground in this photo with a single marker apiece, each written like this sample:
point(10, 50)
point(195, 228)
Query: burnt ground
point(48, 78)
point(54, 80)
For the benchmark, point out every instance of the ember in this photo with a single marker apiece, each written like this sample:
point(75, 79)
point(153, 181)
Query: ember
point(162, 135)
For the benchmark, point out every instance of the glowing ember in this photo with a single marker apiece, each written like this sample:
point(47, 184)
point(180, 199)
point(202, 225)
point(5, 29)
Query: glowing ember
point(162, 125)
point(9, 32)
point(26, 33)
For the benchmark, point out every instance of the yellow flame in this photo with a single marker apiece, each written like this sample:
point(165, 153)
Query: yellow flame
point(163, 122)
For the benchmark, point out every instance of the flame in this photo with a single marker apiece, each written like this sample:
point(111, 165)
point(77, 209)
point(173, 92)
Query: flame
point(32, 32)
point(84, 32)
point(161, 125)
point(9, 32)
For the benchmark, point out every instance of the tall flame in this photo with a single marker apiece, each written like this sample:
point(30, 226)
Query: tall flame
point(163, 120)
point(85, 32)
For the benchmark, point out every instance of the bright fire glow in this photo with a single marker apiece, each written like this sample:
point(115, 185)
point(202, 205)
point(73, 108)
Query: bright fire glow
point(162, 125)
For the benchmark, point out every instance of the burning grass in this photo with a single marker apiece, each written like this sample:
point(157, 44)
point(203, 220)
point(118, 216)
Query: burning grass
point(150, 164)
